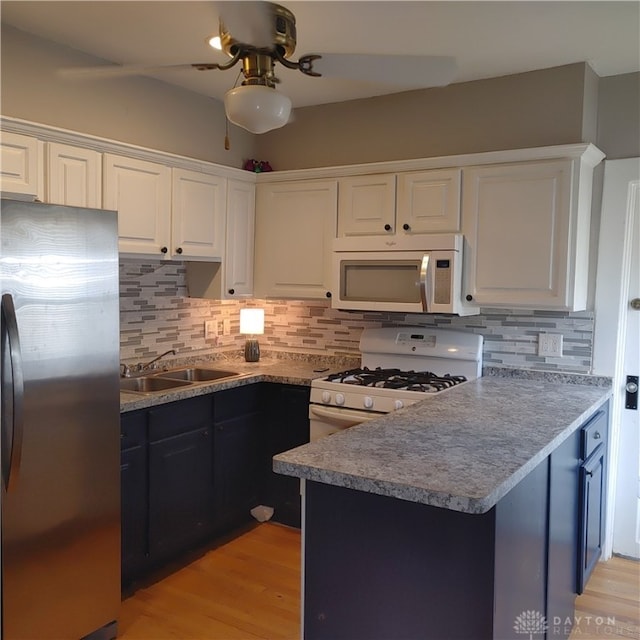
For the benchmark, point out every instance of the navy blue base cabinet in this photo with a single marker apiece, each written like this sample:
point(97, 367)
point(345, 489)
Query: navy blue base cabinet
point(288, 410)
point(379, 568)
point(192, 470)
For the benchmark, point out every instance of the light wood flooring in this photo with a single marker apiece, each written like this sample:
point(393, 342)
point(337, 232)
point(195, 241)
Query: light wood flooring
point(249, 588)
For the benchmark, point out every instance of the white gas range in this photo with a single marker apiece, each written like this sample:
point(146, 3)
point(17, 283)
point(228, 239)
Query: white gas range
point(400, 366)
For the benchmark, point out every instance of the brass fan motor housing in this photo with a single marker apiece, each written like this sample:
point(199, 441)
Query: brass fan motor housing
point(283, 34)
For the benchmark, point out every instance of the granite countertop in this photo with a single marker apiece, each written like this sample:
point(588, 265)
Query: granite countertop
point(462, 450)
point(268, 369)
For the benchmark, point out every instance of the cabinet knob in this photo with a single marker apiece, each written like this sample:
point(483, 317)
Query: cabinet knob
point(179, 250)
point(469, 297)
point(387, 227)
point(328, 294)
point(406, 227)
point(597, 436)
point(231, 291)
point(164, 250)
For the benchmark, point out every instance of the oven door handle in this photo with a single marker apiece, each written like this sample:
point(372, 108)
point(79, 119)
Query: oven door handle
point(344, 417)
point(425, 292)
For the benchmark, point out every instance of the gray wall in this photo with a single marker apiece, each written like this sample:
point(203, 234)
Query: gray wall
point(140, 111)
point(546, 107)
point(619, 116)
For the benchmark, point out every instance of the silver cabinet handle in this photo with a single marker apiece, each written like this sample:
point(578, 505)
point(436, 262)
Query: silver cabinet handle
point(13, 410)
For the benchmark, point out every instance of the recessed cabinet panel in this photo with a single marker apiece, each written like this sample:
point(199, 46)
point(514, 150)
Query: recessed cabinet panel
point(198, 215)
point(518, 226)
point(367, 205)
point(74, 176)
point(429, 201)
point(140, 192)
point(295, 226)
point(20, 164)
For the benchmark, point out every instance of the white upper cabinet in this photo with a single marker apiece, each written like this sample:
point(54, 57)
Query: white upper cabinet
point(366, 205)
point(21, 165)
point(140, 192)
point(198, 216)
point(295, 226)
point(74, 176)
point(429, 201)
point(238, 263)
point(404, 203)
point(526, 230)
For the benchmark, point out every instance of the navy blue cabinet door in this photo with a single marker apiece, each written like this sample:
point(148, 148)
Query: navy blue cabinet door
point(133, 488)
point(181, 492)
point(288, 408)
point(594, 438)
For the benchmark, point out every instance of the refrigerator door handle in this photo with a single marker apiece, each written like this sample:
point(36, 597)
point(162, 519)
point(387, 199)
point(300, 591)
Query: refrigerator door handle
point(12, 408)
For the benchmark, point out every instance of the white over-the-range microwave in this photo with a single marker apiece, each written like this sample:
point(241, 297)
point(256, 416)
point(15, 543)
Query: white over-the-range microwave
point(410, 274)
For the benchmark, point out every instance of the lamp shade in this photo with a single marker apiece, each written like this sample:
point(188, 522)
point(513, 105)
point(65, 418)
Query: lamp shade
point(257, 108)
point(252, 321)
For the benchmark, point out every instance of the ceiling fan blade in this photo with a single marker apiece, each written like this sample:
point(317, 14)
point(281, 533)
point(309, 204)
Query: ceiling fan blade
point(249, 22)
point(118, 71)
point(407, 71)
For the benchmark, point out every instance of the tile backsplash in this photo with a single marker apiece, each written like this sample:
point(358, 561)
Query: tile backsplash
point(156, 315)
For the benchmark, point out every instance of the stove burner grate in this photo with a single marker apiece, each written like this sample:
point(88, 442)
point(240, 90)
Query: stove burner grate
point(425, 381)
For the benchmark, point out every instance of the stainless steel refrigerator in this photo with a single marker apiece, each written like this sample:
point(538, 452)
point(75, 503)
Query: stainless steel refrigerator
point(60, 422)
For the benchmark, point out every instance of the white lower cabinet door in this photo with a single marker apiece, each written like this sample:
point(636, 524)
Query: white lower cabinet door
point(525, 228)
point(295, 227)
point(198, 216)
point(140, 191)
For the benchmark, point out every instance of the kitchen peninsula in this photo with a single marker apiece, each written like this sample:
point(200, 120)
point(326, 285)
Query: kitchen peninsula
point(451, 518)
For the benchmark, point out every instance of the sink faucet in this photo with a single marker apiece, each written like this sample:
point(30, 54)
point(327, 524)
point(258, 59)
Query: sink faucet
point(149, 365)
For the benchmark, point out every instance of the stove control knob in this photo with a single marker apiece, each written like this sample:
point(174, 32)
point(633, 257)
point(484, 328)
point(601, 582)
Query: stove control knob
point(398, 404)
point(368, 402)
point(326, 397)
point(339, 398)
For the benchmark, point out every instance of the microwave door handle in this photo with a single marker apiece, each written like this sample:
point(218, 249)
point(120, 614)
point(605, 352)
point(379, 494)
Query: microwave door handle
point(12, 422)
point(425, 285)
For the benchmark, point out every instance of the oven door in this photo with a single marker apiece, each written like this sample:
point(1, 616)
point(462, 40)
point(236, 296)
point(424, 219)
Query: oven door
point(323, 421)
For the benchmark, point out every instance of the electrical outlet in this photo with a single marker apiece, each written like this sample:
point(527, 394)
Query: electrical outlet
point(226, 324)
point(210, 329)
point(550, 345)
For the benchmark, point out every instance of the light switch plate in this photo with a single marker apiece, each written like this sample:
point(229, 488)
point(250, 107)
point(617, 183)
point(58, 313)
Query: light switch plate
point(550, 345)
point(210, 329)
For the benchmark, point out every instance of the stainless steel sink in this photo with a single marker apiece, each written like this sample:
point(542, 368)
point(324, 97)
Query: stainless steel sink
point(197, 374)
point(150, 384)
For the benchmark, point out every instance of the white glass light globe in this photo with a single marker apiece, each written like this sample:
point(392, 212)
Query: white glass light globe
point(257, 108)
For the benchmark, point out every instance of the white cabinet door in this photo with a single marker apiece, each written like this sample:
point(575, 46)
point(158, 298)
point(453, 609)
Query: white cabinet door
point(295, 226)
point(74, 176)
point(428, 201)
point(238, 261)
point(21, 165)
point(140, 192)
point(523, 232)
point(367, 205)
point(198, 216)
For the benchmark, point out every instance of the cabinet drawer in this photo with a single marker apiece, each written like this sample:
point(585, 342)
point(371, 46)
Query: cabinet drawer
point(133, 428)
point(593, 434)
point(179, 417)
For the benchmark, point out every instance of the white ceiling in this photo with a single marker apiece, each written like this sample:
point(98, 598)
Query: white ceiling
point(488, 39)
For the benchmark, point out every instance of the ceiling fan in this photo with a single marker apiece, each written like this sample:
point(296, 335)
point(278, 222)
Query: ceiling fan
point(261, 34)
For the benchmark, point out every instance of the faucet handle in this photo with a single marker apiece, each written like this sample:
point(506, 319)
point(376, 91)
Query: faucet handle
point(125, 370)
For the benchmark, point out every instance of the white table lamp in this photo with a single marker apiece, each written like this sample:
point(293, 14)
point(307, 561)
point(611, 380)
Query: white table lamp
point(252, 324)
